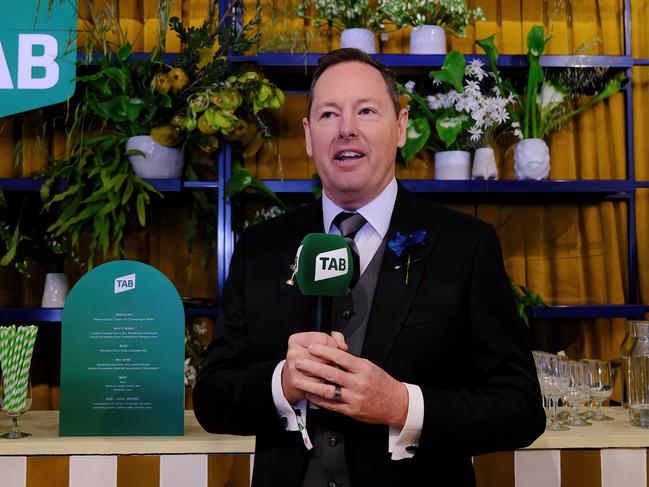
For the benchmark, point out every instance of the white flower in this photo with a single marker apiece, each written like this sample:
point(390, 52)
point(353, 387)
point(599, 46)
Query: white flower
point(190, 373)
point(549, 97)
point(410, 86)
point(384, 37)
point(475, 69)
point(476, 133)
point(518, 133)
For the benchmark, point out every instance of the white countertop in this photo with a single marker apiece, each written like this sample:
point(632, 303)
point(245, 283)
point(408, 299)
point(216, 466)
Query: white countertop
point(43, 425)
point(602, 434)
point(45, 440)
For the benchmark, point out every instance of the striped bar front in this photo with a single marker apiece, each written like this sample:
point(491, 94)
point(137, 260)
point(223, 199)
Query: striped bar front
point(126, 471)
point(616, 467)
point(613, 467)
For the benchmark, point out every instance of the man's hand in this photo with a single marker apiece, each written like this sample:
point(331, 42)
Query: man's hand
point(298, 345)
point(367, 392)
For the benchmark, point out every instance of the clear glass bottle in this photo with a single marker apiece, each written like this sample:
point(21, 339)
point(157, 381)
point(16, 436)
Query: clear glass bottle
point(625, 353)
point(638, 386)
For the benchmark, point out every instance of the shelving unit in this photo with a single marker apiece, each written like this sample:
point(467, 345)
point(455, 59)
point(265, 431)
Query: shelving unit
point(278, 65)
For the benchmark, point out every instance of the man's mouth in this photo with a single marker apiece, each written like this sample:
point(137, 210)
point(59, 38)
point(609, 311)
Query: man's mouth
point(347, 155)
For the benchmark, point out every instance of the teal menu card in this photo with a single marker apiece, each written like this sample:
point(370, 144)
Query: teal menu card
point(122, 354)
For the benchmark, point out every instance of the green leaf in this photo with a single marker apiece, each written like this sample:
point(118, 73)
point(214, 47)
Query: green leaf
point(417, 134)
point(489, 47)
point(11, 248)
point(128, 191)
point(536, 41)
point(240, 180)
point(132, 107)
point(448, 128)
point(141, 210)
point(452, 71)
point(124, 52)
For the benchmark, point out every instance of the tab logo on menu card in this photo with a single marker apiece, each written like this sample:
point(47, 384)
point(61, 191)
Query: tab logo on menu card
point(125, 283)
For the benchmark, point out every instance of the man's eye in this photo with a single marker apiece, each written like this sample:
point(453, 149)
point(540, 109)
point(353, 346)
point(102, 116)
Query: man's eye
point(327, 114)
point(366, 111)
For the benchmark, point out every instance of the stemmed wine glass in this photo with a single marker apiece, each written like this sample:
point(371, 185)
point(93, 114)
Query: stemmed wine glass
point(15, 408)
point(553, 378)
point(577, 392)
point(601, 381)
point(539, 357)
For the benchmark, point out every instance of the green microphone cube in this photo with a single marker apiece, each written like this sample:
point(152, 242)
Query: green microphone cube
point(324, 265)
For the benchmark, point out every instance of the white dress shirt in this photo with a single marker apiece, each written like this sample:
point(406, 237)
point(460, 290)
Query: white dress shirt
point(378, 213)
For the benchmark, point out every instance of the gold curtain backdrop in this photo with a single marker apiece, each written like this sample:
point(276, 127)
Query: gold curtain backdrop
point(570, 254)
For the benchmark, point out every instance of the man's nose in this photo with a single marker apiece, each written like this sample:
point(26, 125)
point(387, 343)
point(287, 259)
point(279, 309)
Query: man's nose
point(347, 127)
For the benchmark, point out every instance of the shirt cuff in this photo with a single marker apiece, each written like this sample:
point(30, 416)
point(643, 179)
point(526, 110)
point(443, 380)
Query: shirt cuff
point(285, 411)
point(403, 443)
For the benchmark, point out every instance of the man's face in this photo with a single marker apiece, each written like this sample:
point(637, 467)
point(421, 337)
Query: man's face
point(352, 133)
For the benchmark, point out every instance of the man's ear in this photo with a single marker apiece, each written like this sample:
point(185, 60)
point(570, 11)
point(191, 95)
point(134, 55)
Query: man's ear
point(402, 127)
point(307, 136)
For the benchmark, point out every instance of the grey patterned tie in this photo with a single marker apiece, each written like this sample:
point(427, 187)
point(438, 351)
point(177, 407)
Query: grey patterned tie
point(349, 223)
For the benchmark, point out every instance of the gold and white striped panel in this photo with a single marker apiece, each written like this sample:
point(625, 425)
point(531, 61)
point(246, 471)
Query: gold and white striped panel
point(13, 471)
point(125, 471)
point(612, 467)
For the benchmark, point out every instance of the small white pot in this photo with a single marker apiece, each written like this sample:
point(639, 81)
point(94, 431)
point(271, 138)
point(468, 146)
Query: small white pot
point(158, 162)
point(362, 39)
point(453, 164)
point(55, 290)
point(532, 159)
point(428, 39)
point(484, 164)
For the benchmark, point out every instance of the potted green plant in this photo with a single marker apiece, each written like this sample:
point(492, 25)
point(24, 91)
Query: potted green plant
point(190, 102)
point(430, 20)
point(356, 19)
point(546, 101)
point(465, 112)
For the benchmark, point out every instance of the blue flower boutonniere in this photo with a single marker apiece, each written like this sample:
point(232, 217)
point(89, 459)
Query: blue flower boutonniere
point(404, 245)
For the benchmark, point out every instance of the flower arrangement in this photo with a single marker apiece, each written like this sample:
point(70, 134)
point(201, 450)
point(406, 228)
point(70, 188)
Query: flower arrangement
point(549, 98)
point(468, 112)
point(342, 14)
point(189, 100)
point(452, 15)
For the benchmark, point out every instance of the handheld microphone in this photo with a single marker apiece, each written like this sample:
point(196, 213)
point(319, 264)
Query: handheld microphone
point(323, 267)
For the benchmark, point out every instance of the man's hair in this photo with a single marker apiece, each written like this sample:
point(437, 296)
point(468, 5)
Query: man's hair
point(350, 54)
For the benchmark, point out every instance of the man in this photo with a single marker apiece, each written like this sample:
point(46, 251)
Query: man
point(427, 362)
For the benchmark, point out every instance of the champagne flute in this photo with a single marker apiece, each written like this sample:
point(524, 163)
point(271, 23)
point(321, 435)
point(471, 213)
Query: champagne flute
point(601, 381)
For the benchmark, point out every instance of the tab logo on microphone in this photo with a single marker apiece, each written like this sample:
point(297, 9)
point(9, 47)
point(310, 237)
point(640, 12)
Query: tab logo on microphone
point(125, 283)
point(331, 264)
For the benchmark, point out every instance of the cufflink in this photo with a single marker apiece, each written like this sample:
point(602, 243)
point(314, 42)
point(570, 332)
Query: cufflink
point(411, 449)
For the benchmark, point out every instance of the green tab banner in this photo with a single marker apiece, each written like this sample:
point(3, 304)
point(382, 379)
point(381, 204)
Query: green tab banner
point(38, 49)
point(122, 354)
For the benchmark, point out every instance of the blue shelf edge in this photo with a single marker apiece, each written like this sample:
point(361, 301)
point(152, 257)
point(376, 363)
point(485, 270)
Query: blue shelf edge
point(162, 185)
point(436, 60)
point(590, 311)
point(482, 186)
point(53, 315)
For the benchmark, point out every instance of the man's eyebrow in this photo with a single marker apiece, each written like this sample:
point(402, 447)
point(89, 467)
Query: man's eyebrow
point(335, 104)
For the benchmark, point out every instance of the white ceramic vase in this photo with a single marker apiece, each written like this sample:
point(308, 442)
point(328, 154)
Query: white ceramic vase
point(158, 162)
point(55, 290)
point(362, 39)
point(484, 164)
point(532, 159)
point(428, 39)
point(453, 164)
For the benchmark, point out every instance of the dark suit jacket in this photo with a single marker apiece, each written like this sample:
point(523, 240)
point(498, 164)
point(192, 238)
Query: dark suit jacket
point(453, 331)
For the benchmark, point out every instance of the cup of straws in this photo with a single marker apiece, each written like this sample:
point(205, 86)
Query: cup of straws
point(16, 350)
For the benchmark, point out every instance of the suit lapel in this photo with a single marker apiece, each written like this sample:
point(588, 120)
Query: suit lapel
point(392, 297)
point(295, 308)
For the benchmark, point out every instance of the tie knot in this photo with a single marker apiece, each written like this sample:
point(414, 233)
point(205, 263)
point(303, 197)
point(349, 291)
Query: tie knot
point(349, 223)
